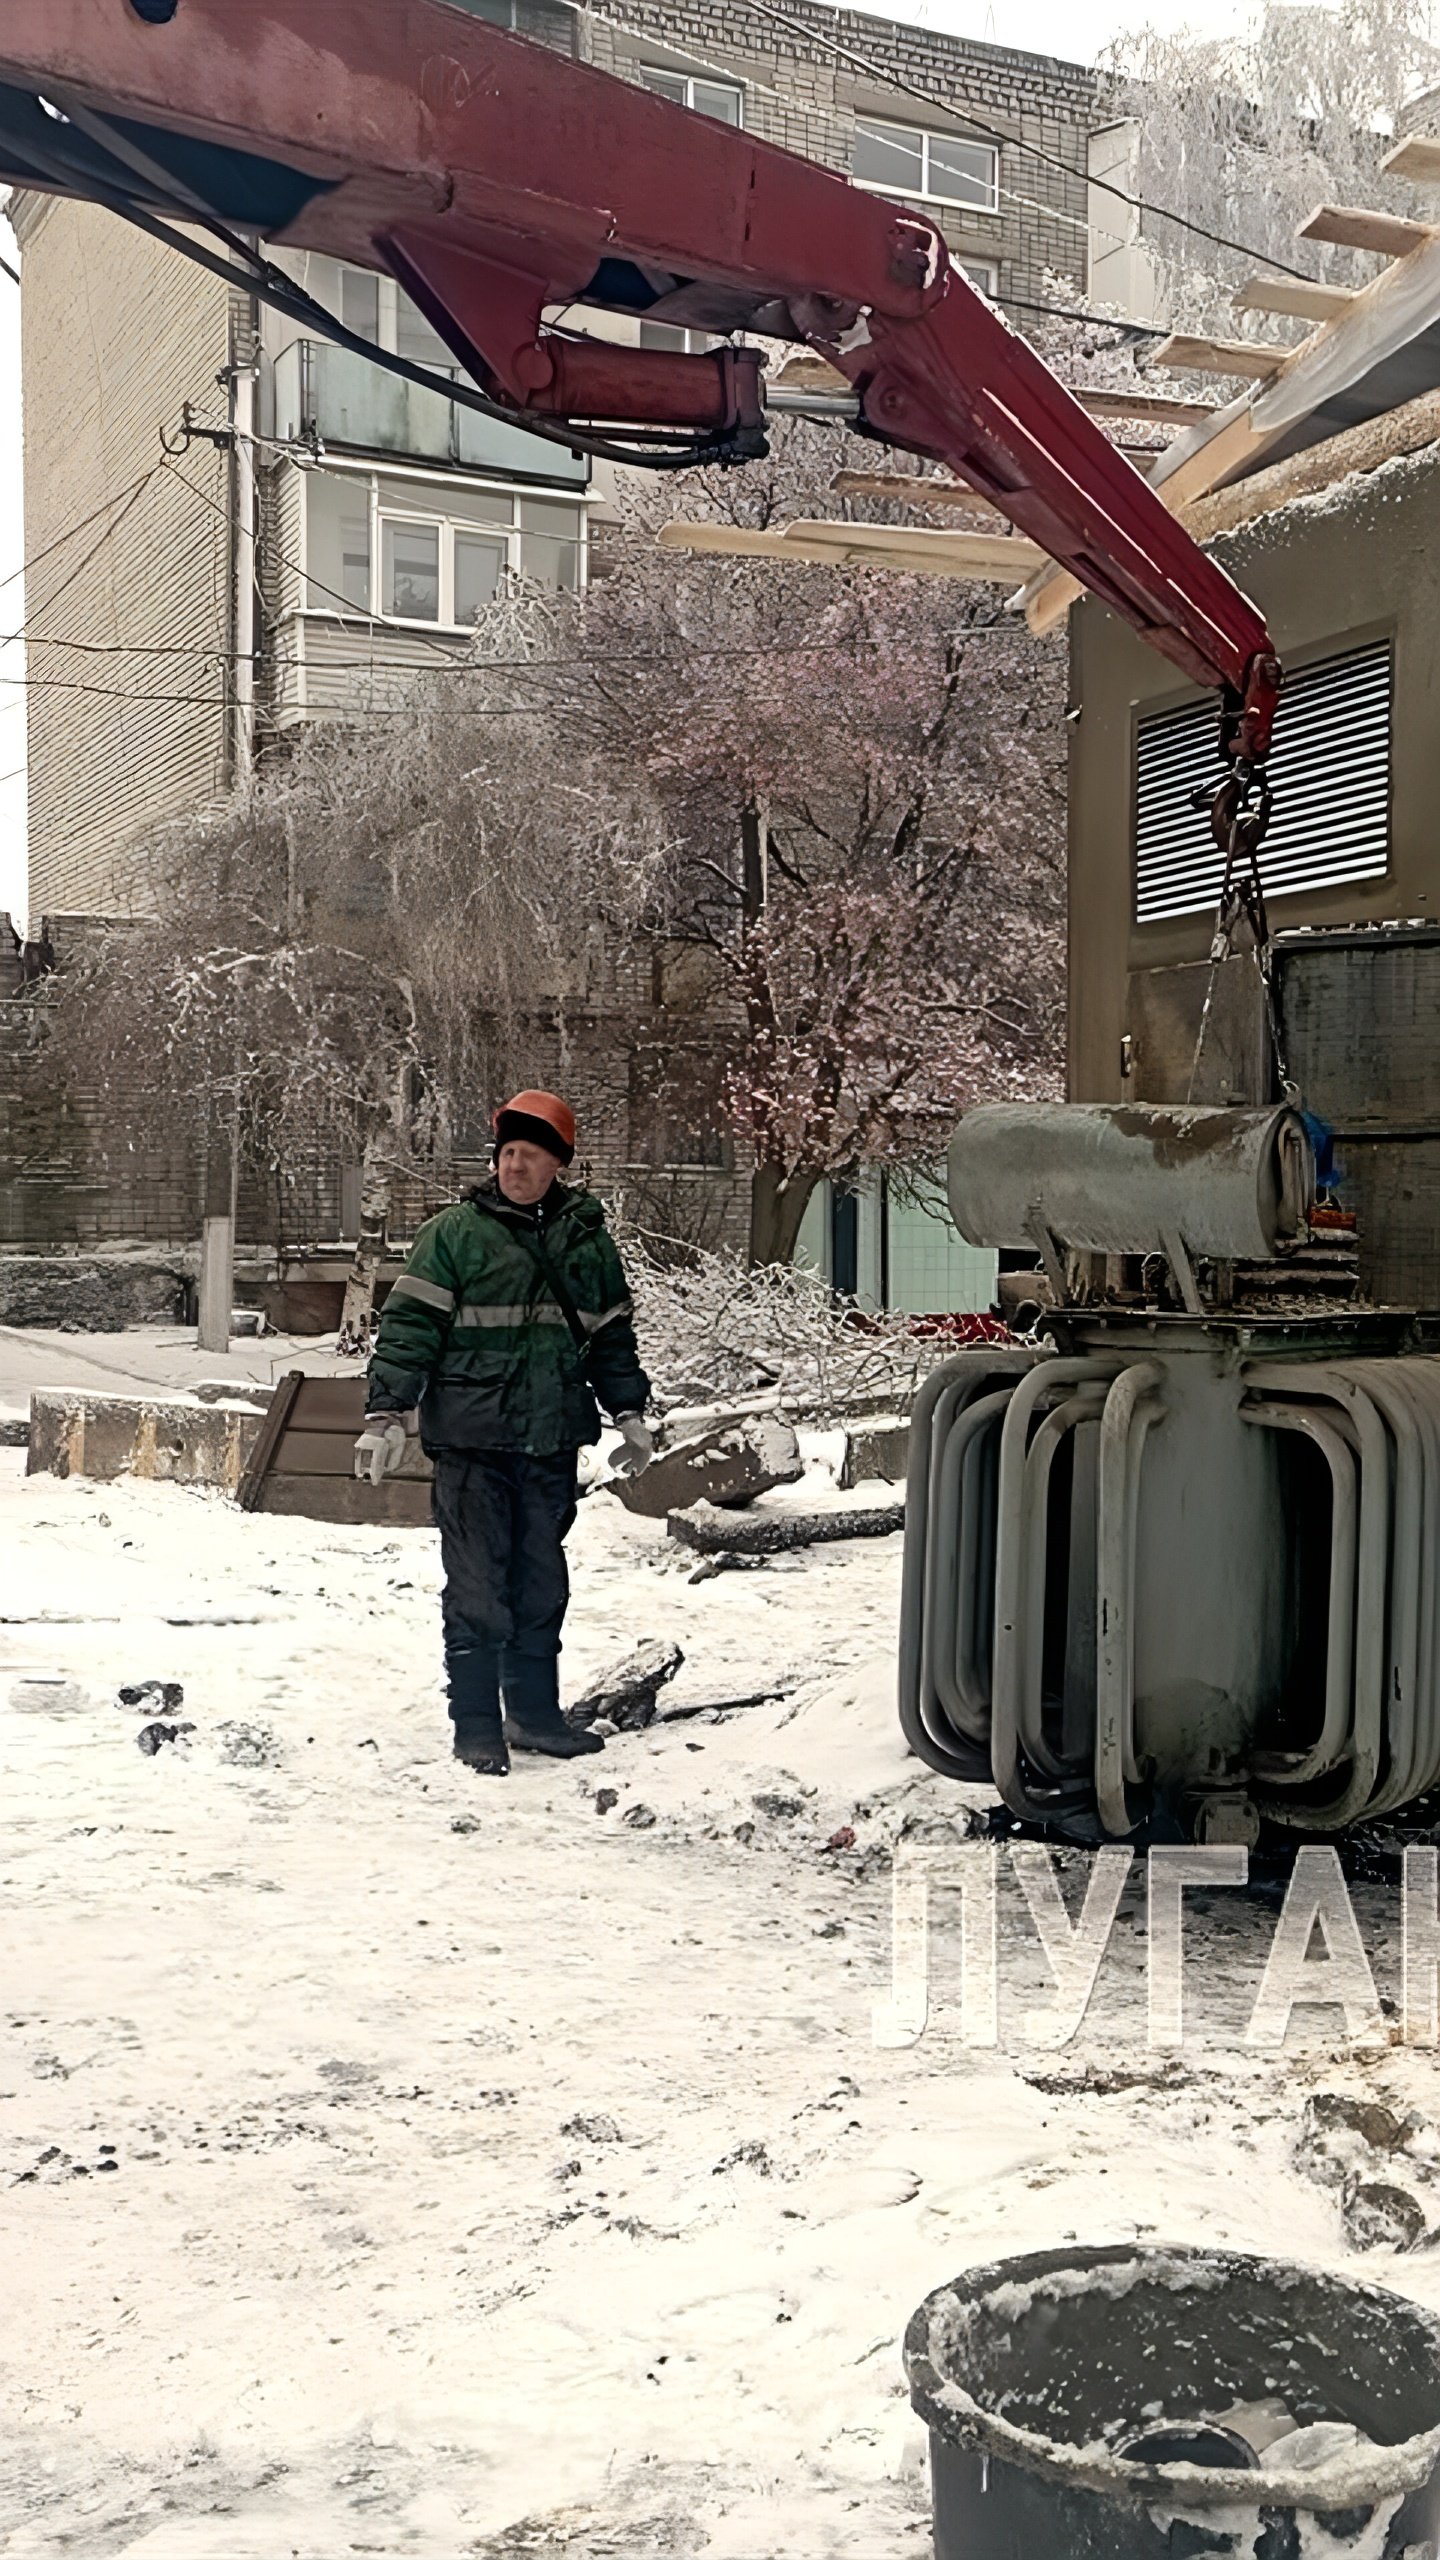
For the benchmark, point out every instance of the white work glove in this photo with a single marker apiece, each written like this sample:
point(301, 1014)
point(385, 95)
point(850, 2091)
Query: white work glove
point(380, 1447)
point(637, 1445)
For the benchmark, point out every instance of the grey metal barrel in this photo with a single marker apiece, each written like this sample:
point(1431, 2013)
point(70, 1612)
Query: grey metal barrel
point(1126, 1178)
point(1144, 2404)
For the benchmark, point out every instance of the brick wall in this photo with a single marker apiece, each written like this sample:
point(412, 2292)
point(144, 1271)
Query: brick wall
point(74, 1177)
point(801, 94)
point(129, 615)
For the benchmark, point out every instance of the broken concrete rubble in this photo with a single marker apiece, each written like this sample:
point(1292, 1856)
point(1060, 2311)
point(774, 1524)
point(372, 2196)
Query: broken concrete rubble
point(876, 1448)
point(744, 1456)
point(626, 1695)
point(73, 1434)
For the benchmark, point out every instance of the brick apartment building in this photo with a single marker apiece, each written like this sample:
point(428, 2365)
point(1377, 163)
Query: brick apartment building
point(385, 516)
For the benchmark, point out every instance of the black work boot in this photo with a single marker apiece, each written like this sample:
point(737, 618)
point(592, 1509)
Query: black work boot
point(532, 1710)
point(474, 1681)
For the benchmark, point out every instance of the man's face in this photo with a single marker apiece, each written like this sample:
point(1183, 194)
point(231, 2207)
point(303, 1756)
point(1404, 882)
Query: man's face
point(525, 1171)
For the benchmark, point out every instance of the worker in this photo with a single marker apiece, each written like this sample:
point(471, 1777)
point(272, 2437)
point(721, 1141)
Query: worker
point(510, 1319)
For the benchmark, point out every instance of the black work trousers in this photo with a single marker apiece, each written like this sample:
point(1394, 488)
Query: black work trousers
point(503, 1518)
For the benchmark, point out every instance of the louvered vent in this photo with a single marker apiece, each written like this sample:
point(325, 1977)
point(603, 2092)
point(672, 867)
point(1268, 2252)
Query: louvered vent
point(1331, 776)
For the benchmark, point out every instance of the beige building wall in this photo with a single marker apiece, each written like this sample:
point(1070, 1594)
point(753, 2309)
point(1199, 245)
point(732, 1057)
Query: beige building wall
point(128, 614)
point(1363, 564)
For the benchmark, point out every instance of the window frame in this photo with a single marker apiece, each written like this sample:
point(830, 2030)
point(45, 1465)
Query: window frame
point(923, 194)
point(689, 81)
point(387, 319)
point(428, 510)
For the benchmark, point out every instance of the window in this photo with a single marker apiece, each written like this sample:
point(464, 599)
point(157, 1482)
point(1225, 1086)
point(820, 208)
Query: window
point(1333, 714)
point(378, 310)
point(722, 99)
point(406, 551)
point(929, 168)
point(409, 570)
point(549, 551)
point(337, 542)
point(416, 340)
point(481, 560)
point(360, 303)
point(984, 278)
point(677, 1108)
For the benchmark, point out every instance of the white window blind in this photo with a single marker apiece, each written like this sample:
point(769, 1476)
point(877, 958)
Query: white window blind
point(1330, 772)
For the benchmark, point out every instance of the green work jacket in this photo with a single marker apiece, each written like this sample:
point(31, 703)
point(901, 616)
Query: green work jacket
point(473, 1335)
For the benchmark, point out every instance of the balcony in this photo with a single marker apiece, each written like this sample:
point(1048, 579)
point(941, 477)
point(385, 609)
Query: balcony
point(331, 392)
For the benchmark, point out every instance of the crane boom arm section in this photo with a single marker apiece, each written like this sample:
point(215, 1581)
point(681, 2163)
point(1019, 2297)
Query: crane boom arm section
point(499, 181)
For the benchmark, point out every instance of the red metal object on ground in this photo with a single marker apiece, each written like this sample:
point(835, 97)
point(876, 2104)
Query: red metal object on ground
point(499, 181)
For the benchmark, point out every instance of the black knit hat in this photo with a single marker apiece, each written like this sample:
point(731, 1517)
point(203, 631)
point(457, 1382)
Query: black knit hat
point(523, 1125)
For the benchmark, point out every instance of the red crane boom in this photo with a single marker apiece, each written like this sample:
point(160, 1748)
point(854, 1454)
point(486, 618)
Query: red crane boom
point(499, 181)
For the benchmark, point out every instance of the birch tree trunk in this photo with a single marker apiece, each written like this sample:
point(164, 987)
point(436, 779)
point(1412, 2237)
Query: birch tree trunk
point(359, 1304)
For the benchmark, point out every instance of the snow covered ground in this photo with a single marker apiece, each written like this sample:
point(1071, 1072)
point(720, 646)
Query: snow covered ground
point(397, 2161)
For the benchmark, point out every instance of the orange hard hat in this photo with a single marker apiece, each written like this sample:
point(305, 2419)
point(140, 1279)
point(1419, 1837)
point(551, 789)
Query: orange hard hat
point(542, 1118)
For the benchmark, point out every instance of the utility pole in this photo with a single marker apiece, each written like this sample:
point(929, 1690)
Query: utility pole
point(242, 423)
point(222, 1168)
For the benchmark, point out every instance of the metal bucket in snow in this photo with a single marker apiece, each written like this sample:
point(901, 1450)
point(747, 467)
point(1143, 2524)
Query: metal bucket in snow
point(1159, 2404)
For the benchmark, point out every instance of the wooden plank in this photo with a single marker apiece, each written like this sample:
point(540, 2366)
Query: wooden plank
point(913, 489)
point(729, 541)
point(398, 1503)
point(1303, 475)
point(332, 1453)
point(1385, 316)
point(1416, 158)
point(910, 549)
point(267, 1438)
point(916, 489)
point(997, 555)
point(1354, 226)
point(1287, 298)
point(1154, 405)
point(1242, 356)
point(331, 1404)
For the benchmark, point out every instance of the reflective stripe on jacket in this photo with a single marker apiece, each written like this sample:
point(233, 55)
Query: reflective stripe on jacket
point(472, 1333)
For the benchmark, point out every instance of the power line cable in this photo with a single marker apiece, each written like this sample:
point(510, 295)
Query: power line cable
point(246, 269)
point(80, 526)
point(8, 639)
point(472, 666)
point(1013, 142)
point(729, 77)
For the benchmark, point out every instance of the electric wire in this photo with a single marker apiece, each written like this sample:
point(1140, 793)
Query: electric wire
point(80, 525)
point(1012, 142)
point(523, 667)
point(472, 666)
point(748, 83)
point(9, 639)
point(251, 272)
point(245, 269)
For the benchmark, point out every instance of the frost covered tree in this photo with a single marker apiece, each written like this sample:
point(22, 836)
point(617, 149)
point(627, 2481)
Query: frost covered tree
point(860, 777)
point(340, 962)
point(1245, 134)
point(787, 845)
